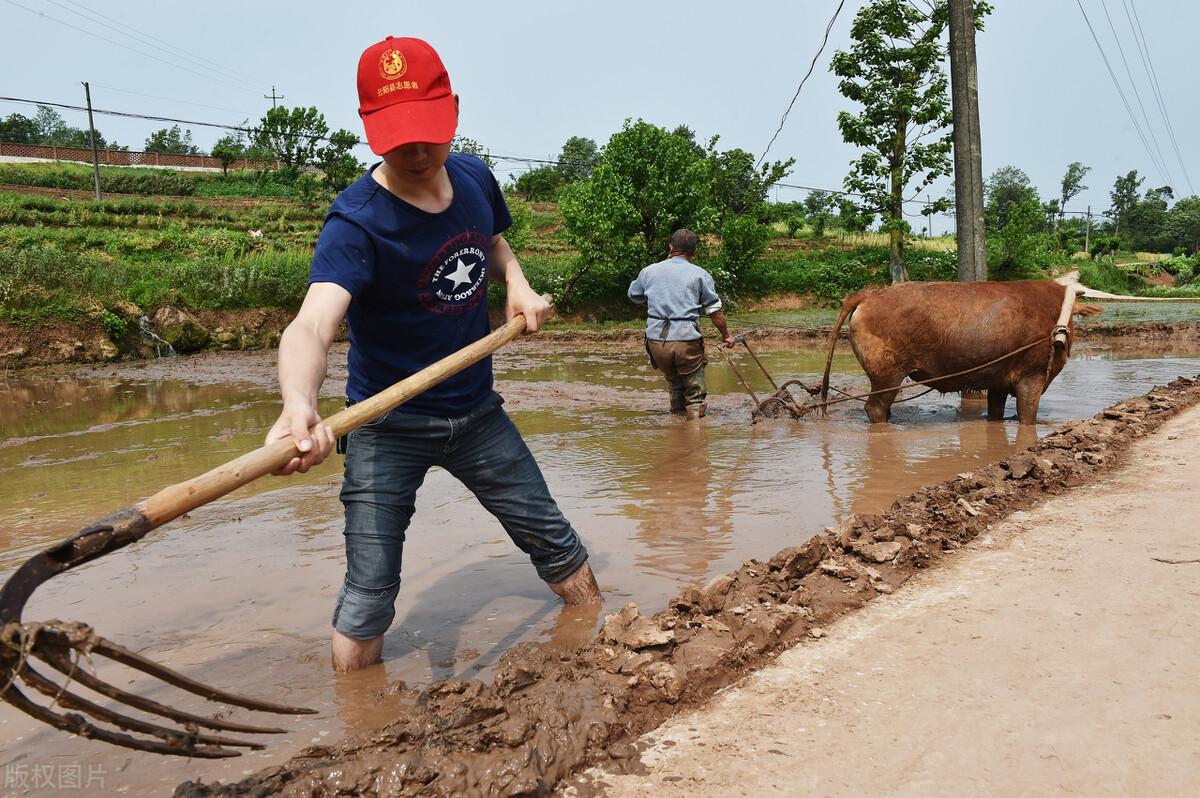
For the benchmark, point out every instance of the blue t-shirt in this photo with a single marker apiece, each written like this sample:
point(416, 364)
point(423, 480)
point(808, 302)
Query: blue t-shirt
point(417, 281)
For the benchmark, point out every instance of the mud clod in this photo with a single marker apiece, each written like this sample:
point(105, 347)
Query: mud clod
point(547, 716)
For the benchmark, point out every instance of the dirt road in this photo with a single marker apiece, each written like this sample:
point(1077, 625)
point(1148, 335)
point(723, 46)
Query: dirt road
point(1052, 656)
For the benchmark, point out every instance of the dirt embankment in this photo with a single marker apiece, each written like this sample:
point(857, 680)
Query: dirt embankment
point(86, 340)
point(548, 714)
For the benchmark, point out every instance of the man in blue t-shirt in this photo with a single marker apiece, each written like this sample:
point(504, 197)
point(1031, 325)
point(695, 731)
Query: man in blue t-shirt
point(405, 257)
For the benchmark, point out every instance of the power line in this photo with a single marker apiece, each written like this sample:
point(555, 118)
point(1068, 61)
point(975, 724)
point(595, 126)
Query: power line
point(1120, 91)
point(130, 32)
point(1139, 36)
point(173, 100)
point(127, 47)
point(174, 47)
point(811, 66)
point(1162, 162)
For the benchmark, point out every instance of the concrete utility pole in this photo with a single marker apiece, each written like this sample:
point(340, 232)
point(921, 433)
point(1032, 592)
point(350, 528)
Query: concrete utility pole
point(1087, 235)
point(968, 155)
point(87, 92)
point(273, 96)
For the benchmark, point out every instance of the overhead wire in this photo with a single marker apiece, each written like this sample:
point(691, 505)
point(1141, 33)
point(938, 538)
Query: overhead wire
point(94, 35)
point(803, 80)
point(1139, 37)
point(175, 48)
point(1162, 162)
point(1117, 84)
point(140, 38)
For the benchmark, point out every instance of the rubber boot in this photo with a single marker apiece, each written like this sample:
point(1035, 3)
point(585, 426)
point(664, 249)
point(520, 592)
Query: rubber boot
point(696, 411)
point(678, 404)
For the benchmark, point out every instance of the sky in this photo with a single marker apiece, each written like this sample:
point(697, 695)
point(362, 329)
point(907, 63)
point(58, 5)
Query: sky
point(531, 74)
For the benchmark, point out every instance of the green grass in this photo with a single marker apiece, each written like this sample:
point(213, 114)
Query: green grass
point(148, 181)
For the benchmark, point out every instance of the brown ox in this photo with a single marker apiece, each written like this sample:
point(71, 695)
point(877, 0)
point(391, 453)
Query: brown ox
point(931, 330)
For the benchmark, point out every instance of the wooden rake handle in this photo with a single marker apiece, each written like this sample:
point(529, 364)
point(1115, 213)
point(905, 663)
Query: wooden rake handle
point(175, 500)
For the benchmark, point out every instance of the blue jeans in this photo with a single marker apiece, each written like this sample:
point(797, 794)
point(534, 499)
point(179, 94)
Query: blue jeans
point(386, 461)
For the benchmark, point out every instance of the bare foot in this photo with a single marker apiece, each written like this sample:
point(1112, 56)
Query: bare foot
point(579, 588)
point(353, 655)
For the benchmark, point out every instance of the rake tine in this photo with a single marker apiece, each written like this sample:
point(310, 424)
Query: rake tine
point(61, 663)
point(69, 700)
point(76, 724)
point(118, 653)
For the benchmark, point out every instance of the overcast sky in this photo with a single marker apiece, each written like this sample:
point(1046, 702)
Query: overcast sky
point(530, 74)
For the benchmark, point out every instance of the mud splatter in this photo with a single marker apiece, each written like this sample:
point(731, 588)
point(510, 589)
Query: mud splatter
point(549, 713)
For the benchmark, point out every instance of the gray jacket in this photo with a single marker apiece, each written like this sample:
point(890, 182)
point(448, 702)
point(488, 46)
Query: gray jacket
point(676, 292)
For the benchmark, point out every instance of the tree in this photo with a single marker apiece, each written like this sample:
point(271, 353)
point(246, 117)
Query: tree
point(739, 200)
point(894, 71)
point(171, 141)
point(541, 183)
point(1182, 225)
point(52, 130)
point(854, 219)
point(1124, 196)
point(1004, 188)
point(291, 135)
point(228, 149)
point(339, 168)
point(1146, 219)
point(19, 129)
point(577, 159)
point(1072, 184)
point(648, 183)
point(818, 209)
point(473, 147)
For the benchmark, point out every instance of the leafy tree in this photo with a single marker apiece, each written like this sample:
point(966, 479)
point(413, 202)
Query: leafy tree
point(1146, 219)
point(52, 130)
point(818, 209)
point(854, 219)
point(1182, 225)
point(228, 149)
point(648, 183)
point(19, 129)
point(1124, 196)
point(1004, 188)
point(1072, 185)
point(473, 147)
point(291, 135)
point(794, 222)
point(739, 199)
point(577, 159)
point(337, 162)
point(1013, 246)
point(171, 141)
point(894, 71)
point(541, 183)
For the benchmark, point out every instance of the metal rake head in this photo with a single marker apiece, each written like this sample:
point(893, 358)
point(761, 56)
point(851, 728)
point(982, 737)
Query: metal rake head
point(62, 645)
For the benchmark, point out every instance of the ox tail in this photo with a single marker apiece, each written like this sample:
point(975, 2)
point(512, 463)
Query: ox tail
point(848, 306)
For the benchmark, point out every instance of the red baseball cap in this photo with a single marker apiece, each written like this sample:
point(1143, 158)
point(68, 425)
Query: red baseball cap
point(404, 95)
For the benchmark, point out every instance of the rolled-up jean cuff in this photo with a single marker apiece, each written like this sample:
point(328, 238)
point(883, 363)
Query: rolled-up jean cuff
point(562, 569)
point(365, 613)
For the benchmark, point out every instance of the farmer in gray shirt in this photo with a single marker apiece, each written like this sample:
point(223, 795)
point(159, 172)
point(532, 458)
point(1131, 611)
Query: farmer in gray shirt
point(676, 292)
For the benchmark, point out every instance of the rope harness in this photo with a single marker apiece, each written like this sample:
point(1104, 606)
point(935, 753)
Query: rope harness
point(1060, 335)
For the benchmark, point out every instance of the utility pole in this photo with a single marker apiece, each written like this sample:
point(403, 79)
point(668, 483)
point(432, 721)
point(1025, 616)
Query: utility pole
point(929, 215)
point(968, 156)
point(87, 92)
point(1087, 235)
point(273, 96)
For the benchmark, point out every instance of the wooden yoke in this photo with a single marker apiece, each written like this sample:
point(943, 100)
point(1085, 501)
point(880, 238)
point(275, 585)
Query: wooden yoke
point(1062, 328)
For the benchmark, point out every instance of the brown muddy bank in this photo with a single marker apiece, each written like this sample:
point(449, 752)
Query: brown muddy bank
point(547, 714)
point(85, 340)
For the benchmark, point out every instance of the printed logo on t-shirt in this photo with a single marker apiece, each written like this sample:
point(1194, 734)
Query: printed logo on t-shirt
point(450, 283)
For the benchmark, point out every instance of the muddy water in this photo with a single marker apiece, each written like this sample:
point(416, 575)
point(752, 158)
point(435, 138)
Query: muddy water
point(239, 593)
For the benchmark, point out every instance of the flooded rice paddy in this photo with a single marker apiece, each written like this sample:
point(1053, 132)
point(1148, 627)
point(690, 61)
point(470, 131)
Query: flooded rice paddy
point(239, 593)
